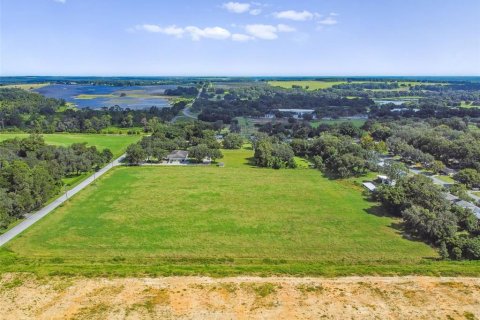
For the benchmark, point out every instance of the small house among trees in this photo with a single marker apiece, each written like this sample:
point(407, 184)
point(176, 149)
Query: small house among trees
point(179, 156)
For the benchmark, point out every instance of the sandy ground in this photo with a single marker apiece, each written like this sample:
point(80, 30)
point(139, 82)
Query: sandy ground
point(28, 297)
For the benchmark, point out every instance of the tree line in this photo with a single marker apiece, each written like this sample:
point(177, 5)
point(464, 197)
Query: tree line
point(197, 137)
point(23, 110)
point(428, 216)
point(31, 172)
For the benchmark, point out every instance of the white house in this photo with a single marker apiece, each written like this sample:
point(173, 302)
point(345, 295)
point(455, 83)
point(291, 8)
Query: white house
point(177, 156)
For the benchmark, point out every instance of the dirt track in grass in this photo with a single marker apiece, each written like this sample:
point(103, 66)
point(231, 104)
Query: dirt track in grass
point(27, 297)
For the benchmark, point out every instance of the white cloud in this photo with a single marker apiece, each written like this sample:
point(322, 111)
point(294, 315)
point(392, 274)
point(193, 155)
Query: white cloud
point(241, 37)
point(236, 7)
point(60, 1)
point(149, 28)
point(170, 30)
point(267, 31)
point(262, 31)
point(255, 12)
point(329, 21)
point(173, 31)
point(294, 15)
point(285, 28)
point(194, 32)
point(252, 32)
point(217, 33)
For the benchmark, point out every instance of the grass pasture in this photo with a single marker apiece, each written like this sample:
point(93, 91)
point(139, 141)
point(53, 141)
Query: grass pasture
point(116, 143)
point(26, 86)
point(312, 85)
point(221, 221)
point(356, 122)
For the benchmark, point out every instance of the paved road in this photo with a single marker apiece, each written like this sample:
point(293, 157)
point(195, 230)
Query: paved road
point(186, 111)
point(34, 217)
point(476, 198)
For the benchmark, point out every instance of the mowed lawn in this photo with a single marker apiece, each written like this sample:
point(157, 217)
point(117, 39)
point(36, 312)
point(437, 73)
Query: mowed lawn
point(221, 221)
point(116, 143)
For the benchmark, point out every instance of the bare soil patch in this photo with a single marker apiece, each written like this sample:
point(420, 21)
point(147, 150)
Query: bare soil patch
point(24, 296)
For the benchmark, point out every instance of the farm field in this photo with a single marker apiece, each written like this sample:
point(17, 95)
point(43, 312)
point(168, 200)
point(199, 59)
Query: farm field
point(26, 86)
point(312, 85)
point(116, 143)
point(221, 221)
point(318, 84)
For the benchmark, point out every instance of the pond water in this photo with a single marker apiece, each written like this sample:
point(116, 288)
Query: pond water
point(95, 97)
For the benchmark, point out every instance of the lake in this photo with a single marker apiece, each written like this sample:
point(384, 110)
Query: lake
point(95, 97)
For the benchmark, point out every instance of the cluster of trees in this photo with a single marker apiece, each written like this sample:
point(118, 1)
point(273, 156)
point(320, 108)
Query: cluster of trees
point(20, 109)
point(235, 105)
point(408, 152)
point(182, 91)
point(449, 141)
point(429, 216)
point(341, 149)
point(468, 177)
point(196, 137)
point(368, 85)
point(422, 110)
point(31, 172)
point(233, 141)
point(271, 153)
point(340, 155)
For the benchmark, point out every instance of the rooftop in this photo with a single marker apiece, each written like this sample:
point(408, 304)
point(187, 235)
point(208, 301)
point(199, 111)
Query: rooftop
point(178, 154)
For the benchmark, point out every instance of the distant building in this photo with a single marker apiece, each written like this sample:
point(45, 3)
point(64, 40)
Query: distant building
point(179, 156)
point(369, 186)
point(385, 180)
point(298, 113)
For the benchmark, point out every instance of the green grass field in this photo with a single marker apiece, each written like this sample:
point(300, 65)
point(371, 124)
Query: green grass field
point(116, 143)
point(445, 179)
point(312, 85)
point(468, 106)
point(221, 221)
point(318, 84)
point(26, 86)
point(356, 122)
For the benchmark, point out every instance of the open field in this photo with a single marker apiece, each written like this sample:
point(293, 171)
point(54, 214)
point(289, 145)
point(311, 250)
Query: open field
point(26, 86)
point(116, 143)
point(221, 221)
point(356, 122)
point(445, 179)
point(470, 105)
point(26, 297)
point(318, 84)
point(312, 85)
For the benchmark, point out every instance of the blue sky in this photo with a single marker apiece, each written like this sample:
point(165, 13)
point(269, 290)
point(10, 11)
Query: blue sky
point(316, 37)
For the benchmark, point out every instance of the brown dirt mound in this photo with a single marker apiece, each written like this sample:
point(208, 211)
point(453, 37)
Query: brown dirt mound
point(28, 297)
